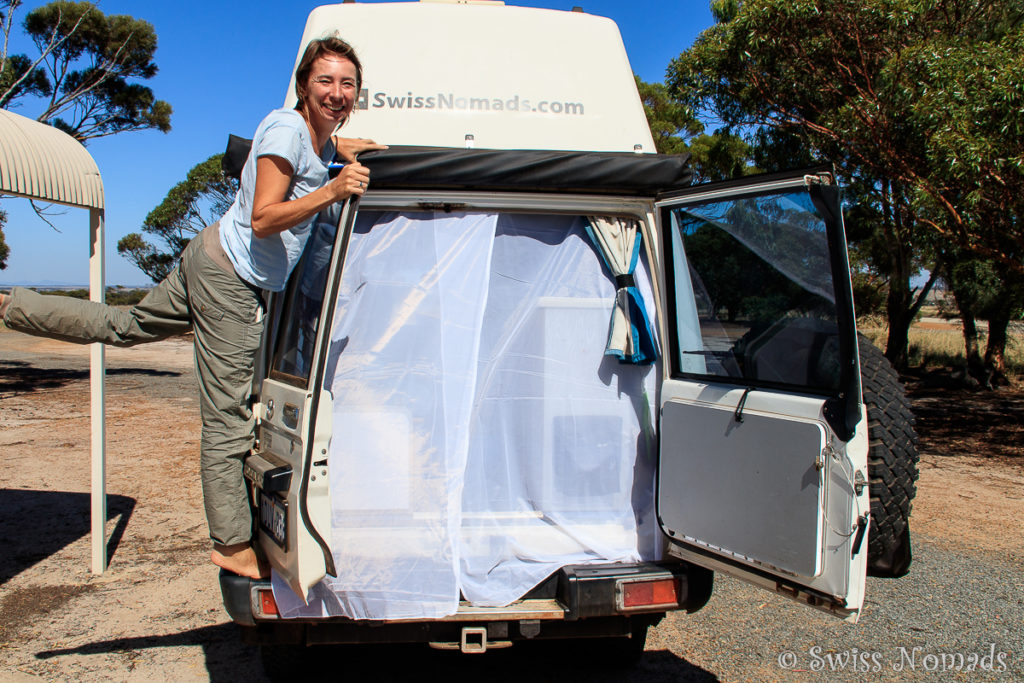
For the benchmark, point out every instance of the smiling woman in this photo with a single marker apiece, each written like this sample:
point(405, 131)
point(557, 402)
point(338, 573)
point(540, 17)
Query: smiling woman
point(217, 289)
point(327, 81)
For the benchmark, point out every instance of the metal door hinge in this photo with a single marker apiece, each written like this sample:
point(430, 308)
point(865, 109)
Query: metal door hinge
point(859, 482)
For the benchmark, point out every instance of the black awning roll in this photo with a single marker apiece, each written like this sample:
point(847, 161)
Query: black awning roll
point(443, 168)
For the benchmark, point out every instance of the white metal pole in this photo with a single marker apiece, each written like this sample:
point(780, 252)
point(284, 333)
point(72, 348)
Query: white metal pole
point(97, 400)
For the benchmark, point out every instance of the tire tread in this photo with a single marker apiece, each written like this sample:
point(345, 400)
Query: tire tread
point(892, 462)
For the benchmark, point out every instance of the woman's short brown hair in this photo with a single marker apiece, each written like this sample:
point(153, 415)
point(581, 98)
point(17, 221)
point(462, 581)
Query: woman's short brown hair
point(317, 48)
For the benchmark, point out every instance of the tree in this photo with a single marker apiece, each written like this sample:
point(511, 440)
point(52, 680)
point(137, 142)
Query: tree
point(203, 197)
point(670, 122)
point(976, 150)
point(974, 131)
point(4, 249)
point(82, 74)
point(84, 78)
point(676, 130)
point(845, 78)
point(986, 290)
point(720, 156)
point(889, 242)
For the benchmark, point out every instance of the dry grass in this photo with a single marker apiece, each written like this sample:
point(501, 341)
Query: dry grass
point(942, 345)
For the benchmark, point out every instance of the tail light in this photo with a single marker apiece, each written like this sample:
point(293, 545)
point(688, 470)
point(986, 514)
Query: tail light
point(266, 605)
point(646, 594)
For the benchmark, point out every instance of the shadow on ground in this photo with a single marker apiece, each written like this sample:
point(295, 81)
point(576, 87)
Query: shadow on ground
point(565, 662)
point(228, 659)
point(19, 376)
point(36, 524)
point(958, 421)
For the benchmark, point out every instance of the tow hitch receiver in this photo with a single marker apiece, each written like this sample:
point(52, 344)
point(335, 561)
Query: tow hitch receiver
point(474, 640)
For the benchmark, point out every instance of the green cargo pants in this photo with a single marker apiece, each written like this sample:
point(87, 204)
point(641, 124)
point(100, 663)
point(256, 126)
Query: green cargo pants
point(202, 293)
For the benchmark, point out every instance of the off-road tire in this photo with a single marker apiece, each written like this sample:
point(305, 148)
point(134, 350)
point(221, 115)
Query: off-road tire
point(892, 463)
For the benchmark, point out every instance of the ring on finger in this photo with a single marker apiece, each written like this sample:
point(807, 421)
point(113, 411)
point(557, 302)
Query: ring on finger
point(361, 184)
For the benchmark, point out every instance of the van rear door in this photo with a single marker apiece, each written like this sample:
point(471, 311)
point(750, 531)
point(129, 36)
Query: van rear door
point(289, 468)
point(763, 460)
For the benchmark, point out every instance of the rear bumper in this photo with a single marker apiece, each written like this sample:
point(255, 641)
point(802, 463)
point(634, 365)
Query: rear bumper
point(577, 601)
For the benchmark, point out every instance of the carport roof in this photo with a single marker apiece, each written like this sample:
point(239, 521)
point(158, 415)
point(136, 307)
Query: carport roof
point(41, 162)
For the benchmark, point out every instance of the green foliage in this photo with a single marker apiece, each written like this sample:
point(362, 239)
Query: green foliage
point(897, 89)
point(182, 210)
point(119, 296)
point(18, 77)
point(676, 130)
point(977, 282)
point(774, 150)
point(806, 68)
point(987, 288)
point(969, 98)
point(917, 102)
point(869, 293)
point(83, 78)
point(670, 122)
point(85, 71)
point(720, 156)
point(203, 197)
point(728, 271)
point(754, 277)
point(4, 249)
point(155, 264)
point(725, 10)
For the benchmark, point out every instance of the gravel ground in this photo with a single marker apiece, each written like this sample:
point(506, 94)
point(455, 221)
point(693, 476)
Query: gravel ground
point(953, 602)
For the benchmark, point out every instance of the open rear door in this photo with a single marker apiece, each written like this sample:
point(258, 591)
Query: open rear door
point(763, 463)
point(289, 468)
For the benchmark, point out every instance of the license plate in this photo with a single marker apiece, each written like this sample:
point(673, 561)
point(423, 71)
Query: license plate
point(274, 519)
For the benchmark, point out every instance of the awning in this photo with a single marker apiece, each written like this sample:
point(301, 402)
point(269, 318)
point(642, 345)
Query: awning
point(442, 168)
point(41, 162)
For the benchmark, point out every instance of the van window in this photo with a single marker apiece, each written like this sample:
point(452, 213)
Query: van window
point(293, 352)
point(754, 295)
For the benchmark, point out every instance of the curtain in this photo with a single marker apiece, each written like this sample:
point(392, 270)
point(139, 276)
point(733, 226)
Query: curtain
point(629, 332)
point(482, 438)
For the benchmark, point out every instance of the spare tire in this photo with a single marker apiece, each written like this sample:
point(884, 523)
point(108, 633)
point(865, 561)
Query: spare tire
point(892, 462)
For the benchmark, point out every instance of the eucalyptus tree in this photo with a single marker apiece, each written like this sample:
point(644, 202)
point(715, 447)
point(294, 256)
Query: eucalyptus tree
point(850, 79)
point(83, 78)
point(85, 74)
point(201, 198)
point(4, 249)
point(677, 129)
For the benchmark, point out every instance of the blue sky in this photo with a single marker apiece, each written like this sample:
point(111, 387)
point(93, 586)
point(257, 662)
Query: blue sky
point(223, 68)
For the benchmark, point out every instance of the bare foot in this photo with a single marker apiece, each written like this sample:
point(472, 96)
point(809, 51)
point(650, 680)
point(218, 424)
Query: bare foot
point(239, 559)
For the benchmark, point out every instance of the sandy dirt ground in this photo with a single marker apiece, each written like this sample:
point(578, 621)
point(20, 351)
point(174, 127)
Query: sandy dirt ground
point(155, 614)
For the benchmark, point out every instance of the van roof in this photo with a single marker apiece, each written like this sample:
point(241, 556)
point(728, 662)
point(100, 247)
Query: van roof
point(509, 77)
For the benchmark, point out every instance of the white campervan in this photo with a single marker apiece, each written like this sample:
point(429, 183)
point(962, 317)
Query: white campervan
point(534, 385)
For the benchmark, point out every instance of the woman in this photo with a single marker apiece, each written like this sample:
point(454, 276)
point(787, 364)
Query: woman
point(216, 288)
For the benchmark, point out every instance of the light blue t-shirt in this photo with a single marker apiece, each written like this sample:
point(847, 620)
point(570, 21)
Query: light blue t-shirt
point(268, 261)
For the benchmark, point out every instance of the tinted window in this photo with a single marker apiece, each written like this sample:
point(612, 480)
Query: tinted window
point(293, 353)
point(754, 294)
